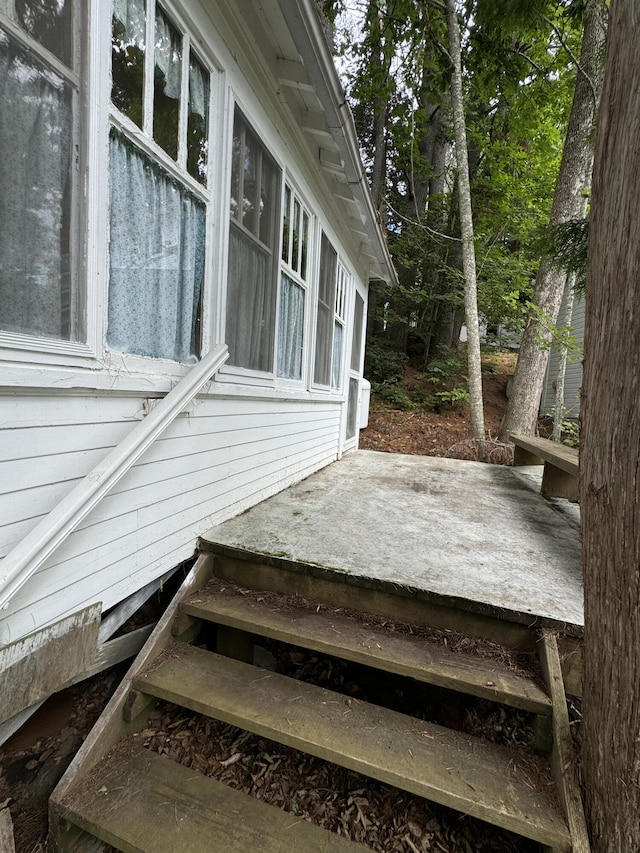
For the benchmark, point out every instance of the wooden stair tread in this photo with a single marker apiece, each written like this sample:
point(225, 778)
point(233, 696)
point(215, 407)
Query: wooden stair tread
point(350, 639)
point(459, 771)
point(136, 800)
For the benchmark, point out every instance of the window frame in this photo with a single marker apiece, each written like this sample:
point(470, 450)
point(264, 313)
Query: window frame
point(234, 372)
point(32, 348)
point(342, 290)
point(305, 282)
point(208, 193)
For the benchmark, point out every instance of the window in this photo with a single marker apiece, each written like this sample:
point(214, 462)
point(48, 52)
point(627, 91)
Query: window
point(158, 196)
point(39, 97)
point(251, 284)
point(330, 317)
point(324, 312)
point(338, 327)
point(354, 366)
point(293, 280)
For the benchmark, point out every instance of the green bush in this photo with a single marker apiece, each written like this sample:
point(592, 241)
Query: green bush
point(384, 363)
point(455, 397)
point(396, 396)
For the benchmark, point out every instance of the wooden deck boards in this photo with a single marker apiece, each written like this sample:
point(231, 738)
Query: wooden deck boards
point(458, 771)
point(350, 639)
point(141, 802)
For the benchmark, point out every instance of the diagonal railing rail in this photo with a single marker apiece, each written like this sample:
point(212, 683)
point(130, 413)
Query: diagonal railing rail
point(25, 559)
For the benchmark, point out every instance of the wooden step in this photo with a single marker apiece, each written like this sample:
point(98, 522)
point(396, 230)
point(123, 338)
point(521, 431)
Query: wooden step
point(352, 639)
point(499, 785)
point(141, 802)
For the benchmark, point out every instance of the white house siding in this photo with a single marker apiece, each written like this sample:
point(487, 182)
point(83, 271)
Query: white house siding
point(573, 375)
point(211, 464)
point(64, 407)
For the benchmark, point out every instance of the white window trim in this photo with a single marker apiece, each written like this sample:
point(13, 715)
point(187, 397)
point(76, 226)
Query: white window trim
point(307, 283)
point(211, 195)
point(33, 349)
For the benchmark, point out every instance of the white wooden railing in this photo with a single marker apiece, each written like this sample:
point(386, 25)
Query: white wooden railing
point(20, 563)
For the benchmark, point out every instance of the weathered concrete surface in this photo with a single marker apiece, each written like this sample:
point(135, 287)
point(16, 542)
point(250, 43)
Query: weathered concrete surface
point(464, 529)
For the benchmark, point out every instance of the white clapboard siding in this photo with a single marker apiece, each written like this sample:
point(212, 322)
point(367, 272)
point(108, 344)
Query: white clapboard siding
point(34, 442)
point(573, 375)
point(45, 453)
point(18, 411)
point(209, 465)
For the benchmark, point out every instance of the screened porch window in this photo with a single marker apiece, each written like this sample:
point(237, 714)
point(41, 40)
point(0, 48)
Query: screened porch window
point(158, 197)
point(157, 248)
point(39, 94)
point(293, 286)
point(324, 313)
point(252, 276)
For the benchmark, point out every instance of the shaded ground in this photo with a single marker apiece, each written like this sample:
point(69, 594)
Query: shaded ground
point(443, 431)
point(32, 762)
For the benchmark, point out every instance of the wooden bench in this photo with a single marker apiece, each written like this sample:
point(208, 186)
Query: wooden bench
point(560, 475)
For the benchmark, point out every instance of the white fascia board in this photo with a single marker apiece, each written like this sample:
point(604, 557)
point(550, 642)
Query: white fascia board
point(306, 29)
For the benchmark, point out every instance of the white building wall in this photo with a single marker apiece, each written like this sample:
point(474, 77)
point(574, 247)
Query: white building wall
point(243, 440)
point(212, 463)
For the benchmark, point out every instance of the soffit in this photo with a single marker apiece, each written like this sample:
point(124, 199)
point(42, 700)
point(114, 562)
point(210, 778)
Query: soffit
point(290, 38)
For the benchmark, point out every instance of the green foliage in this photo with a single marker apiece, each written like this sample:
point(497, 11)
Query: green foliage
point(519, 81)
point(567, 245)
point(395, 395)
point(455, 397)
point(384, 362)
point(569, 428)
point(553, 337)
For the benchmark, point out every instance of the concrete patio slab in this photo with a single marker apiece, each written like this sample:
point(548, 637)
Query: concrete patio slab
point(465, 530)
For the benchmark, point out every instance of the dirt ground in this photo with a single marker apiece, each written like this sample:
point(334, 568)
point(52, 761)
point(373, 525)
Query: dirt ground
point(32, 761)
point(445, 432)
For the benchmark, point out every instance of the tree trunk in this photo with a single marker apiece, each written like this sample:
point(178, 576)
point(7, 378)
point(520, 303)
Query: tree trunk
point(524, 402)
point(380, 107)
point(466, 227)
point(559, 409)
point(610, 455)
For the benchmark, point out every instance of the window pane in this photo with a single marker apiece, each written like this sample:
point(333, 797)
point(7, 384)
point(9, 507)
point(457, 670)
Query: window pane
point(268, 204)
point(198, 121)
point(167, 84)
point(356, 342)
point(49, 22)
point(324, 318)
point(157, 247)
point(35, 175)
point(252, 277)
point(337, 355)
point(128, 45)
point(304, 246)
point(250, 167)
point(237, 148)
point(352, 408)
point(286, 224)
point(290, 329)
point(250, 303)
point(295, 251)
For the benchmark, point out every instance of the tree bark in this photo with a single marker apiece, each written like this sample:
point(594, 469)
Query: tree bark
point(610, 455)
point(526, 391)
point(559, 409)
point(380, 109)
point(466, 227)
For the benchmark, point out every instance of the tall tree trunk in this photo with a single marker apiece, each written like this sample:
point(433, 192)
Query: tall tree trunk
point(610, 455)
point(559, 408)
point(524, 402)
point(466, 226)
point(380, 109)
